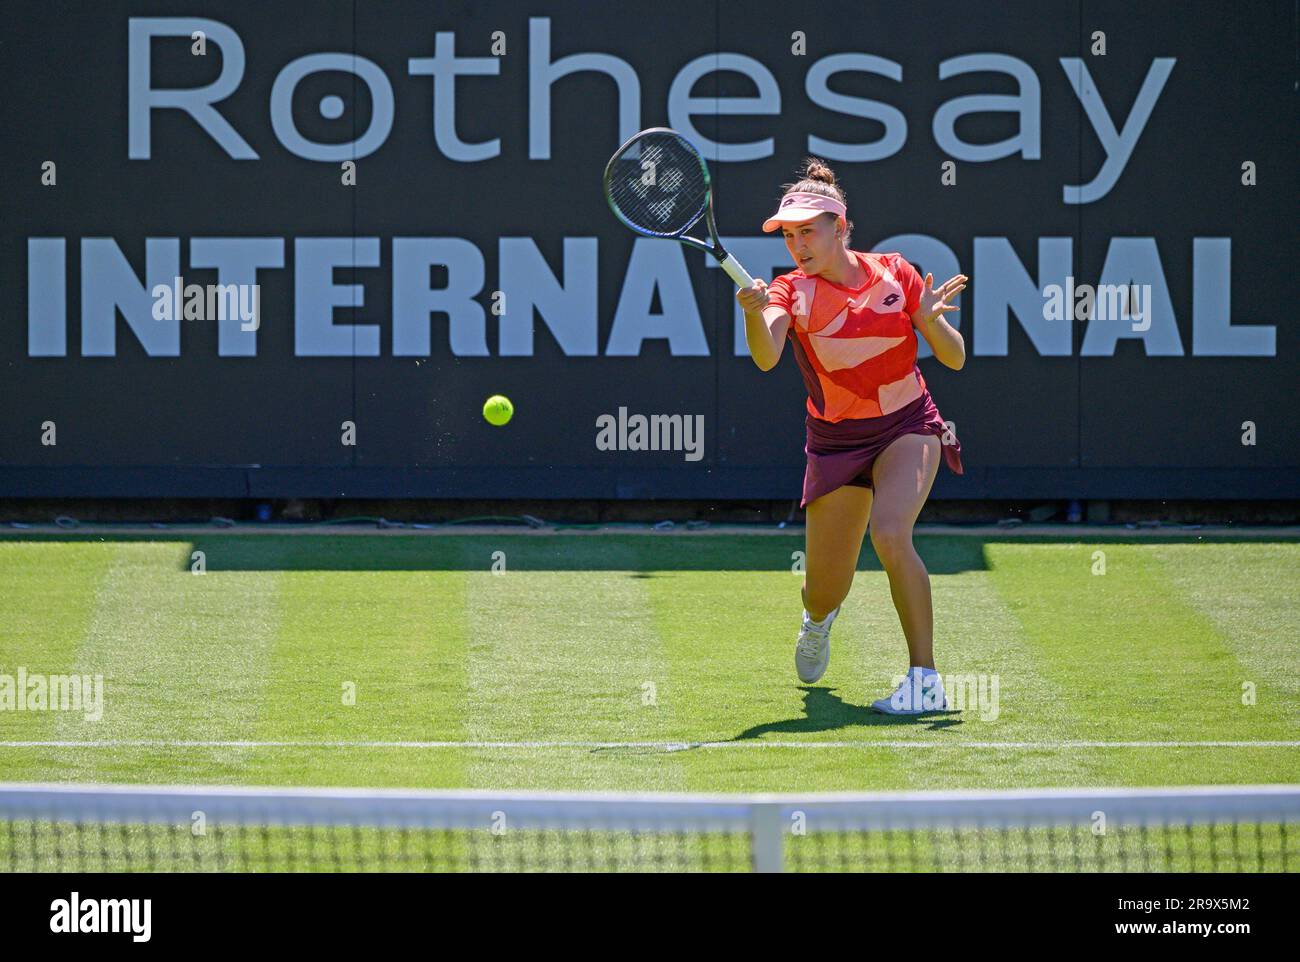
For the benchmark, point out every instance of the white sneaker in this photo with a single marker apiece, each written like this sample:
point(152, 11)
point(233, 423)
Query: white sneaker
point(916, 694)
point(812, 652)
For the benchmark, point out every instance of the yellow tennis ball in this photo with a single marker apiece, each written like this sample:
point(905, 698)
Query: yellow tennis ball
point(498, 410)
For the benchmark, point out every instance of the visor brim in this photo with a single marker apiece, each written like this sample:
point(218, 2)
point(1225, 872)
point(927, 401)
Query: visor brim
point(793, 215)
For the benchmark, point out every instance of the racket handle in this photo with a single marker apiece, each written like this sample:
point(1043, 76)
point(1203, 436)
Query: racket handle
point(736, 272)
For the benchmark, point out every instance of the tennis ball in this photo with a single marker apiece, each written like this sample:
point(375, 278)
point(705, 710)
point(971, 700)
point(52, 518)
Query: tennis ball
point(498, 410)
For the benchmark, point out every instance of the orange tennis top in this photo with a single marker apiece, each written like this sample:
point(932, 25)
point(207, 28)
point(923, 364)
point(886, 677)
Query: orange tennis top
point(856, 347)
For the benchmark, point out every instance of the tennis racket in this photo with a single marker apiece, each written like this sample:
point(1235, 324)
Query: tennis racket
point(658, 185)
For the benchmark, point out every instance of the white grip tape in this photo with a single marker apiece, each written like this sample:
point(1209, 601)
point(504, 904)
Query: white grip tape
point(736, 272)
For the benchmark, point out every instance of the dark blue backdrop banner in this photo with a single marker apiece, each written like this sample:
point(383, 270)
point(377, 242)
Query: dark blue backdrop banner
point(277, 249)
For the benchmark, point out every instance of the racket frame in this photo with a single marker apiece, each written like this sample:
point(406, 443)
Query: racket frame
point(734, 270)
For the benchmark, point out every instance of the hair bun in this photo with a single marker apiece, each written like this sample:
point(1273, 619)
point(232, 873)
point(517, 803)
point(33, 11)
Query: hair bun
point(815, 169)
point(816, 177)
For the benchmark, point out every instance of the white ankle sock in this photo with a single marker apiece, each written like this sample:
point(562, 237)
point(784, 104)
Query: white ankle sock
point(824, 623)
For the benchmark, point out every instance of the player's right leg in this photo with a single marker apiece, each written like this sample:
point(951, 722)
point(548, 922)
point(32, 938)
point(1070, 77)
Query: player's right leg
point(836, 525)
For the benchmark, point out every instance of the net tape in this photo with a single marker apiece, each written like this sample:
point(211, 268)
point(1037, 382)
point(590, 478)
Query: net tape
point(53, 827)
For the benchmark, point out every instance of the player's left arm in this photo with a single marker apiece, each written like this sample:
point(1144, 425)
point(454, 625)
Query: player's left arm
point(944, 339)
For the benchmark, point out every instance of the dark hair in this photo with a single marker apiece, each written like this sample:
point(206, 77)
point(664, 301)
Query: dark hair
point(815, 177)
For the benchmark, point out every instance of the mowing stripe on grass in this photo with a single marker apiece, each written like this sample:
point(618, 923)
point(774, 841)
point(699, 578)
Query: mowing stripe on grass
point(367, 655)
point(174, 655)
point(1251, 595)
point(44, 617)
point(179, 652)
point(571, 653)
point(371, 647)
point(1125, 645)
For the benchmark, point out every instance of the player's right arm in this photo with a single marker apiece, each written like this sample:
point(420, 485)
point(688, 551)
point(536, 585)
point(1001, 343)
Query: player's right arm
point(766, 325)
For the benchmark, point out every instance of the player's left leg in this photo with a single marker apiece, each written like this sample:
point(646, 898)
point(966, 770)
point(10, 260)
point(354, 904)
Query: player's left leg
point(902, 477)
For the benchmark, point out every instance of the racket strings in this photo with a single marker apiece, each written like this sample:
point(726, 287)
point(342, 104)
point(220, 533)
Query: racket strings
point(658, 184)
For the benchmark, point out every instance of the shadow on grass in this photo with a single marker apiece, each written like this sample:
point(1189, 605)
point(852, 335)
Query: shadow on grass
point(642, 553)
point(825, 711)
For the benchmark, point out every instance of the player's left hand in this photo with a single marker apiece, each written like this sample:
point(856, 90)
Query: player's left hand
point(934, 303)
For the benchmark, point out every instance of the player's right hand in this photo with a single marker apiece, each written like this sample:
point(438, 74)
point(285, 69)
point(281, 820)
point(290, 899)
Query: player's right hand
point(753, 299)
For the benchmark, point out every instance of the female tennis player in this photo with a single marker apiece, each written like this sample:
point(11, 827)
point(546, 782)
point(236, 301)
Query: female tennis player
point(874, 435)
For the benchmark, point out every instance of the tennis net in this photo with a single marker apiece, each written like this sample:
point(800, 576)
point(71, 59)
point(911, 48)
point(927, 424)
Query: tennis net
point(52, 828)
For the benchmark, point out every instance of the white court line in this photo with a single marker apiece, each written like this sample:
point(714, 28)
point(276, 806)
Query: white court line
point(665, 746)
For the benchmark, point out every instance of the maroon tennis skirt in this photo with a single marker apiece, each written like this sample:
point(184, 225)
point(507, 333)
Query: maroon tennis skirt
point(842, 452)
